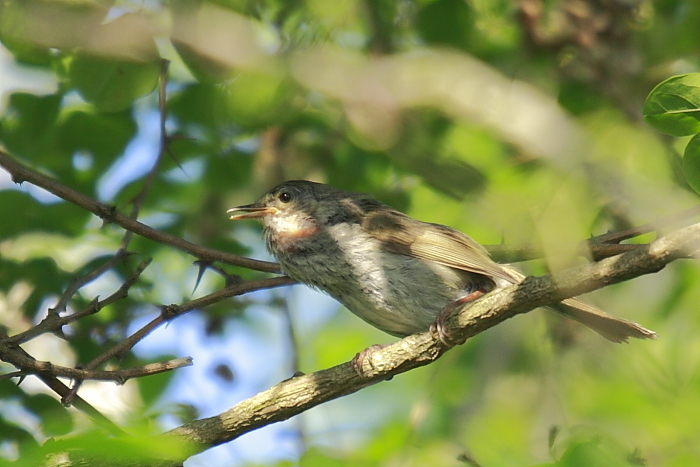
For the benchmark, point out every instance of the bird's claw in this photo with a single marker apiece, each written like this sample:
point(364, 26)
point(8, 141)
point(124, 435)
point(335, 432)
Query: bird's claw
point(439, 329)
point(439, 326)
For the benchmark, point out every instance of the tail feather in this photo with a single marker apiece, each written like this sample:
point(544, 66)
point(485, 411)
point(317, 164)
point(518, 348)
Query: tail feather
point(611, 327)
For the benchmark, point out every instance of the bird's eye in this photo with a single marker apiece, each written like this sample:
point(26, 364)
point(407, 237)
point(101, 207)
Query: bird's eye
point(285, 197)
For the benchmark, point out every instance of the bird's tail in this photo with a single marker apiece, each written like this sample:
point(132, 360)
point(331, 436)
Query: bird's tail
point(611, 327)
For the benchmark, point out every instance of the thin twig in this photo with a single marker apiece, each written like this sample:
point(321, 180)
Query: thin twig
point(81, 281)
point(598, 247)
point(170, 312)
point(29, 365)
point(53, 322)
point(20, 173)
point(504, 253)
point(13, 374)
point(137, 201)
point(664, 222)
point(62, 390)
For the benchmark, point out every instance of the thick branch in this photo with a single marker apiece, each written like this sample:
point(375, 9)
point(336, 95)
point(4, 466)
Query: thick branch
point(294, 396)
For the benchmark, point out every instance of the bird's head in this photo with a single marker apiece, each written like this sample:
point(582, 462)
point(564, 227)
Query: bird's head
point(291, 210)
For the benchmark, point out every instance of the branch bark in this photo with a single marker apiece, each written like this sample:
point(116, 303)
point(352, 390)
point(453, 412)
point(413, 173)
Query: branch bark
point(296, 395)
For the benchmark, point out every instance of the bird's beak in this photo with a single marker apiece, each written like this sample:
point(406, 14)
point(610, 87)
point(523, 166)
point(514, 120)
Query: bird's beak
point(250, 211)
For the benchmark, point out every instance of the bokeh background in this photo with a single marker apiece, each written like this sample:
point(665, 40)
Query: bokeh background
point(518, 122)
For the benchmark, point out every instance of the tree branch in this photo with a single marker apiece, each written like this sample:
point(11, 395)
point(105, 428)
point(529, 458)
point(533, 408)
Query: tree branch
point(505, 253)
point(29, 366)
point(598, 247)
point(169, 312)
point(81, 281)
point(603, 246)
point(62, 390)
point(296, 395)
point(665, 222)
point(137, 201)
point(53, 322)
point(20, 173)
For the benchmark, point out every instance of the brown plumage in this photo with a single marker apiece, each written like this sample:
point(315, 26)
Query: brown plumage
point(395, 272)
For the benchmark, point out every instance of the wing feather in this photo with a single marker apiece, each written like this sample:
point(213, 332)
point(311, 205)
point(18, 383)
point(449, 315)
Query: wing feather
point(432, 242)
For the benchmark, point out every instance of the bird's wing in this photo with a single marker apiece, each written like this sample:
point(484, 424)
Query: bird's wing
point(402, 235)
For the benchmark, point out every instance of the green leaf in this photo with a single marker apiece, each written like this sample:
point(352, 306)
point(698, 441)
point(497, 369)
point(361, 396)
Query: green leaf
point(593, 453)
point(99, 138)
point(122, 65)
point(9, 388)
point(11, 432)
point(260, 99)
point(204, 68)
point(28, 126)
point(446, 22)
point(42, 273)
point(123, 449)
point(14, 20)
point(201, 104)
point(112, 85)
point(104, 135)
point(691, 163)
point(23, 213)
point(153, 387)
point(55, 419)
point(31, 28)
point(673, 106)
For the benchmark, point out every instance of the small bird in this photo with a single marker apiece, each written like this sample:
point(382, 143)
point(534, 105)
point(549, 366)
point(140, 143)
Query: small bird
point(399, 274)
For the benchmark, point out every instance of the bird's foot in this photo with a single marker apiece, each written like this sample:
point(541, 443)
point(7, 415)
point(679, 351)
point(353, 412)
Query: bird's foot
point(439, 327)
point(359, 359)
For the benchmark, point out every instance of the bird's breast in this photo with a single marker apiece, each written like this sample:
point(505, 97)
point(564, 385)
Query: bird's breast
point(284, 231)
point(396, 293)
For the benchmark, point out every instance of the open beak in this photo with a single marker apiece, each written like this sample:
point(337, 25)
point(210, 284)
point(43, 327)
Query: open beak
point(250, 212)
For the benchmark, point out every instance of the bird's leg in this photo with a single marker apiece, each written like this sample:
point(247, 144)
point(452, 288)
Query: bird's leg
point(366, 354)
point(439, 328)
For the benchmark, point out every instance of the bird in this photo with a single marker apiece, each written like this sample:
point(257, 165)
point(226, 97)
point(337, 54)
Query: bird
point(399, 274)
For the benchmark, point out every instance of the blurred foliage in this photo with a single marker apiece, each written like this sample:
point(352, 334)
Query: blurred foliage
point(520, 122)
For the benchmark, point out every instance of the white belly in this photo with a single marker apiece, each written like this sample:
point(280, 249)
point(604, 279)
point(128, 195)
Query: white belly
point(395, 293)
